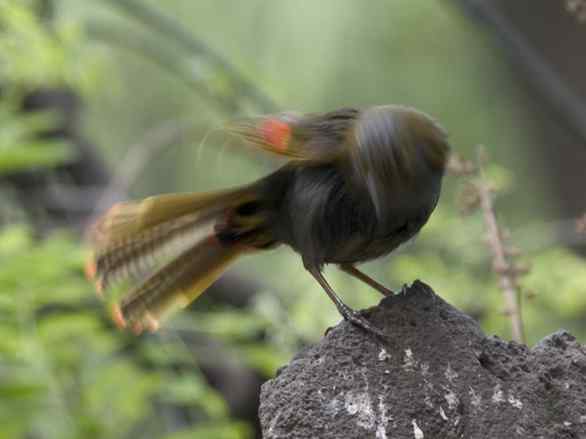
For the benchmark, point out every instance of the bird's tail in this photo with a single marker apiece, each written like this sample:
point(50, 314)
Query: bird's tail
point(170, 248)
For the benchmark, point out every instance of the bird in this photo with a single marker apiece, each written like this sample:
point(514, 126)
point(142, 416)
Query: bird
point(357, 184)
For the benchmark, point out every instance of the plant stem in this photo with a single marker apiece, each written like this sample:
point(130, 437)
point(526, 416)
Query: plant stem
point(501, 263)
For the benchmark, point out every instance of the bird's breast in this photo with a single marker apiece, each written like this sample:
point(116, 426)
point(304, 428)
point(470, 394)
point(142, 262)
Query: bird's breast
point(328, 221)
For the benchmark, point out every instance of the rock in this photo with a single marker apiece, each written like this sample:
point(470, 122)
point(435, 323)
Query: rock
point(437, 377)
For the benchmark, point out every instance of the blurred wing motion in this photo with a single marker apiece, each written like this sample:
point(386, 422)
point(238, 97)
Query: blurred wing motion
point(167, 246)
point(312, 137)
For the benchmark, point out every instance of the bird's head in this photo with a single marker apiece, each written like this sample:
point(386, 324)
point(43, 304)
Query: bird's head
point(394, 149)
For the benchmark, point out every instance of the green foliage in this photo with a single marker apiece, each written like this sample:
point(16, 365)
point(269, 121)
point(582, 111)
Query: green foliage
point(66, 373)
point(557, 285)
point(33, 55)
point(20, 146)
point(208, 430)
point(241, 331)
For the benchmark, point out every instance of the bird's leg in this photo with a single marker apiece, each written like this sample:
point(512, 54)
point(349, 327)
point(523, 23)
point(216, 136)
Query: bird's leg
point(355, 272)
point(346, 312)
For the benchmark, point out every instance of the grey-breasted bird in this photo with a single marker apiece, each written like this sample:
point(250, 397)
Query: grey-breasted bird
point(358, 184)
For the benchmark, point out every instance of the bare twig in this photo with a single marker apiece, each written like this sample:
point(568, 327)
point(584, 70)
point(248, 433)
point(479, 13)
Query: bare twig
point(534, 237)
point(581, 225)
point(478, 194)
point(501, 255)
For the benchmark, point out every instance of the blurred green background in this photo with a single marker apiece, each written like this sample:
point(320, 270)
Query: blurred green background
point(122, 97)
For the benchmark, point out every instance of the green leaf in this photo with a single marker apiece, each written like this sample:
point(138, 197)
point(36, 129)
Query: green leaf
point(193, 391)
point(19, 391)
point(263, 358)
point(31, 155)
point(214, 430)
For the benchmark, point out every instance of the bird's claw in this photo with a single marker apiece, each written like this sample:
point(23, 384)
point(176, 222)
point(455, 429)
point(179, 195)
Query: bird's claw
point(356, 318)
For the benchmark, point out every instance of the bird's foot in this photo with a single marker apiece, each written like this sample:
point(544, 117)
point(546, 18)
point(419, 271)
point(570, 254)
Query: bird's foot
point(359, 320)
point(386, 291)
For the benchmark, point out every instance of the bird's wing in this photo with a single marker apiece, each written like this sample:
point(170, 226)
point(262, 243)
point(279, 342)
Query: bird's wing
point(315, 137)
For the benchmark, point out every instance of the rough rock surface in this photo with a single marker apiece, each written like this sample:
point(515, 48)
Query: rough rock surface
point(438, 376)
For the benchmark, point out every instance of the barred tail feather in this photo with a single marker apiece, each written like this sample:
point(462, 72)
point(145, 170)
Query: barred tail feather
point(126, 220)
point(175, 285)
point(167, 246)
point(131, 258)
